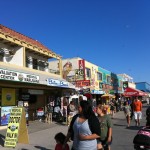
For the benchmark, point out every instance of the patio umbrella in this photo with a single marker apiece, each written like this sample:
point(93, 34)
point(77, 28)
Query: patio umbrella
point(108, 96)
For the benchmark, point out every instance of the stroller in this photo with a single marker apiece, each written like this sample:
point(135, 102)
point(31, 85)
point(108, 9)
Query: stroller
point(142, 139)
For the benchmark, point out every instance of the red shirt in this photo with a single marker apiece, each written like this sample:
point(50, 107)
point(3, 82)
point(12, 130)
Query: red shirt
point(60, 147)
point(137, 105)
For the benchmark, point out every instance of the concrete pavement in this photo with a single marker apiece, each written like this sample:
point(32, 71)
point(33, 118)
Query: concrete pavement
point(41, 135)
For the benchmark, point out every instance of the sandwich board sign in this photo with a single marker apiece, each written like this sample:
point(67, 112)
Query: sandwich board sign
point(17, 129)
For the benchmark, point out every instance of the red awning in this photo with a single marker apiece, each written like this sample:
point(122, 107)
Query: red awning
point(133, 92)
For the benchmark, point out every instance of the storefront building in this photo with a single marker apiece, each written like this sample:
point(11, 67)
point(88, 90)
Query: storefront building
point(143, 86)
point(24, 74)
point(87, 76)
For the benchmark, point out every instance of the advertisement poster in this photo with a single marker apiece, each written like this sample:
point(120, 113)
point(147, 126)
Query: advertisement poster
point(5, 114)
point(8, 97)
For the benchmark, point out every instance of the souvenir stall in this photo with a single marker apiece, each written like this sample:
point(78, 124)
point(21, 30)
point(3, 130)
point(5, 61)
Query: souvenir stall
point(107, 97)
point(106, 100)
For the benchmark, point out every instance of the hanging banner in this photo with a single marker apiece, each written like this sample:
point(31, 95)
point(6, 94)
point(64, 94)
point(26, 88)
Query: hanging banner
point(8, 97)
point(16, 129)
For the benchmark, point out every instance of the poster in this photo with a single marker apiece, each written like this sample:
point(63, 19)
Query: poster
point(5, 114)
point(8, 97)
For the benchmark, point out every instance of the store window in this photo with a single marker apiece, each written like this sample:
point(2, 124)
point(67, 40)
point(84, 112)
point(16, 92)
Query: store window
point(88, 73)
point(99, 76)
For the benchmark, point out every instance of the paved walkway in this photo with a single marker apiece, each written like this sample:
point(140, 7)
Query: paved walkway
point(41, 135)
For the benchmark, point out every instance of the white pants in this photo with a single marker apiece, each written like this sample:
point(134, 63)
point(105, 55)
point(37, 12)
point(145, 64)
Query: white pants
point(137, 115)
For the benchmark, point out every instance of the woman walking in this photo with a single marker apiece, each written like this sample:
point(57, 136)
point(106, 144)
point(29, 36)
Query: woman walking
point(127, 112)
point(84, 128)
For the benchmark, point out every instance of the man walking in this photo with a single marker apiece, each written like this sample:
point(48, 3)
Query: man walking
point(137, 108)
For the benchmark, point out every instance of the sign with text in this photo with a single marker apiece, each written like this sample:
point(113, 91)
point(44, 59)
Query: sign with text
point(79, 74)
point(82, 66)
point(83, 83)
point(58, 83)
point(16, 129)
point(8, 97)
point(17, 76)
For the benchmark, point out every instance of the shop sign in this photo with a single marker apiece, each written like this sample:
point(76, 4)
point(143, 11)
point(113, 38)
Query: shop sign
point(8, 97)
point(18, 76)
point(79, 74)
point(17, 129)
point(25, 97)
point(83, 83)
point(97, 92)
point(57, 83)
point(82, 66)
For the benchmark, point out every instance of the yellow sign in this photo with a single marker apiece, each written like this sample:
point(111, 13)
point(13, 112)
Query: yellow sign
point(17, 129)
point(8, 97)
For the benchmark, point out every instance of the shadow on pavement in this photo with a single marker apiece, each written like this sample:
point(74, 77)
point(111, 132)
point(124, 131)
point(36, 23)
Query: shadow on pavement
point(2, 138)
point(42, 148)
point(134, 127)
point(119, 125)
point(118, 119)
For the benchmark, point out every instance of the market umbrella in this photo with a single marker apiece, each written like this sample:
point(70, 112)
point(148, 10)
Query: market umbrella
point(108, 96)
point(134, 92)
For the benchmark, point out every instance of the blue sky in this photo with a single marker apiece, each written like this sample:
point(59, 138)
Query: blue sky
point(113, 34)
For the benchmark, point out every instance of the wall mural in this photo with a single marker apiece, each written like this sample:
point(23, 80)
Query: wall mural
point(67, 67)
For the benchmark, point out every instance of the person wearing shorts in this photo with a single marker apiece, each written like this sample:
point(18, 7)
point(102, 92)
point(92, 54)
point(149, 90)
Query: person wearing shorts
point(137, 108)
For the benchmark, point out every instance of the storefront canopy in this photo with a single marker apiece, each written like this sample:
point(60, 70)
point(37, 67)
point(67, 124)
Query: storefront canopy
point(133, 92)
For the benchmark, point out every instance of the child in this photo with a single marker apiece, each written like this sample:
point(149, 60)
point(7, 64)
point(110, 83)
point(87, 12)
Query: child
point(60, 139)
point(105, 127)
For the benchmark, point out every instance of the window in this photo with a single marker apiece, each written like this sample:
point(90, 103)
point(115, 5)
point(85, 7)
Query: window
point(35, 63)
point(41, 65)
point(99, 76)
point(108, 79)
point(88, 72)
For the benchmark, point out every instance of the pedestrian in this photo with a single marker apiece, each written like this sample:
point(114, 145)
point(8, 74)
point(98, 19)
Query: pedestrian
point(60, 139)
point(84, 128)
point(112, 109)
point(26, 107)
point(127, 112)
point(105, 127)
point(71, 111)
point(80, 98)
point(137, 108)
point(132, 112)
